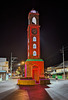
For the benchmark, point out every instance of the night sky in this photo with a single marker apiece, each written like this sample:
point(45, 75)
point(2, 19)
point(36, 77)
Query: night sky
point(53, 20)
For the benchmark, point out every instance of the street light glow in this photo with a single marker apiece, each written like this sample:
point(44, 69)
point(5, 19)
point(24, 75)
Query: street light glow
point(22, 62)
point(19, 64)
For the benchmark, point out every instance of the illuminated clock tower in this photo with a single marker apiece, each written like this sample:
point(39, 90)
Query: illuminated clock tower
point(34, 66)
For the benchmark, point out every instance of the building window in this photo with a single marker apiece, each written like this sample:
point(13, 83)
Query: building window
point(34, 53)
point(34, 46)
point(34, 39)
point(33, 20)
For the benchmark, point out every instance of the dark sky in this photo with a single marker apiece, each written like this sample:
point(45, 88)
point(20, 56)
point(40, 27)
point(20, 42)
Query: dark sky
point(54, 29)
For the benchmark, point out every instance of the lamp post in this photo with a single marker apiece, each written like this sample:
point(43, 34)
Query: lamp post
point(12, 60)
point(11, 64)
point(21, 64)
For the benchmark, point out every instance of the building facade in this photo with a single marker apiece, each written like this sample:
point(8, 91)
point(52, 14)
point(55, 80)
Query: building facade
point(4, 66)
point(58, 71)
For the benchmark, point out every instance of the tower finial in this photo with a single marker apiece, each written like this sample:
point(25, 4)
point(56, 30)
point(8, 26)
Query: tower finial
point(33, 11)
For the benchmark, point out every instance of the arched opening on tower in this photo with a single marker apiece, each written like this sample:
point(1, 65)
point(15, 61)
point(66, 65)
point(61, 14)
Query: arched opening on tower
point(34, 39)
point(34, 46)
point(33, 20)
point(34, 53)
point(35, 73)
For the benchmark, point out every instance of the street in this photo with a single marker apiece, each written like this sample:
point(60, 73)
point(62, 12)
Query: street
point(29, 93)
point(10, 91)
point(57, 90)
point(7, 87)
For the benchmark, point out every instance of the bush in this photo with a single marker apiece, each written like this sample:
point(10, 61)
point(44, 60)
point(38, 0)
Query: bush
point(67, 77)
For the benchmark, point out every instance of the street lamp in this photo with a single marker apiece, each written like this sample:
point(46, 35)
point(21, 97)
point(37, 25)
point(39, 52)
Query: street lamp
point(22, 62)
point(21, 66)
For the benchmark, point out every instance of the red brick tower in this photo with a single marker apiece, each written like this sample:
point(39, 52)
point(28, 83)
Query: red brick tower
point(34, 66)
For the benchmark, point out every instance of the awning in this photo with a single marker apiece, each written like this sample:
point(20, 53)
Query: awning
point(56, 73)
point(2, 71)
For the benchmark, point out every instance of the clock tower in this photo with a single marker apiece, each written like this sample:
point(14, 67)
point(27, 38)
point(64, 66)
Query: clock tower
point(34, 66)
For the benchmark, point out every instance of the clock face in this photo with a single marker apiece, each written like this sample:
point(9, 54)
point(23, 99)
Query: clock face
point(34, 31)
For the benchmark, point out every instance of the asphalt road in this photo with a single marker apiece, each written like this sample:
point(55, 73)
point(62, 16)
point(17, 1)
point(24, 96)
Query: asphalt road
point(36, 92)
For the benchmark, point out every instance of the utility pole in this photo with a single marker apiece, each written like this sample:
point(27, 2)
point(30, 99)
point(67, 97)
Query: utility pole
point(63, 61)
point(11, 64)
point(12, 60)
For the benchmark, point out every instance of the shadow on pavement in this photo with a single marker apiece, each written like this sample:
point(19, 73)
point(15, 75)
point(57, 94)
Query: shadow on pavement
point(37, 92)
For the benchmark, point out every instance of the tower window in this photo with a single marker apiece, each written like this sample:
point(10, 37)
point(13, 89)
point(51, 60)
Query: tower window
point(28, 21)
point(28, 54)
point(34, 53)
point(33, 20)
point(28, 40)
point(34, 46)
point(28, 47)
point(34, 39)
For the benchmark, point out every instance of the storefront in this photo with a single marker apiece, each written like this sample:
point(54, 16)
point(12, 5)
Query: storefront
point(4, 66)
point(3, 75)
point(59, 72)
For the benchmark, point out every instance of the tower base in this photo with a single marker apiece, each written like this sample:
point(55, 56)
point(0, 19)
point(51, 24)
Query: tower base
point(33, 82)
point(34, 68)
point(34, 73)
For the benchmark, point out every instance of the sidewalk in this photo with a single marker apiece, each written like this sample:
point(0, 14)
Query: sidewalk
point(58, 90)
